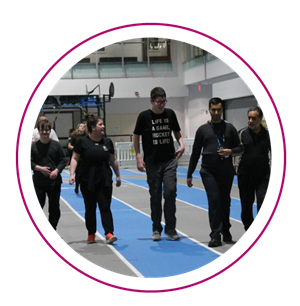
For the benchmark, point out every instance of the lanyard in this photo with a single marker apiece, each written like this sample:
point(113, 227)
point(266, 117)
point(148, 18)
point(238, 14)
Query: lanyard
point(223, 140)
point(218, 139)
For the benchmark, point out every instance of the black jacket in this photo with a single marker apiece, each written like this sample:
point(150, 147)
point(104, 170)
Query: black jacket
point(257, 148)
point(47, 155)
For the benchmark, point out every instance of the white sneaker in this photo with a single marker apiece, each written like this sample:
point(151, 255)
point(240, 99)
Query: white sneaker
point(156, 236)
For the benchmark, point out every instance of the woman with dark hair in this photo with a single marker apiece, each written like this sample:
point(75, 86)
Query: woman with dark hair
point(97, 155)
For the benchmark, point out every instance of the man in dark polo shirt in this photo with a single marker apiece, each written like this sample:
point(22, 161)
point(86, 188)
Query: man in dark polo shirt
point(254, 165)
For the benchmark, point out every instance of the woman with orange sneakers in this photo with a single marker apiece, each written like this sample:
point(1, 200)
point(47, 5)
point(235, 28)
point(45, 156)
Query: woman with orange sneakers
point(96, 153)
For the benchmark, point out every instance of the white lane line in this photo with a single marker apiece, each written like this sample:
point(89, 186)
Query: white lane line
point(183, 234)
point(177, 199)
point(128, 264)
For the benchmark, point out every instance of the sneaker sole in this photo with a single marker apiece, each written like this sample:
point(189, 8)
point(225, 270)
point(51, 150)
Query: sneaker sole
point(91, 242)
point(173, 238)
point(111, 240)
point(156, 239)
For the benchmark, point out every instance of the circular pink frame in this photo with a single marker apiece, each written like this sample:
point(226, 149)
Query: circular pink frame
point(184, 29)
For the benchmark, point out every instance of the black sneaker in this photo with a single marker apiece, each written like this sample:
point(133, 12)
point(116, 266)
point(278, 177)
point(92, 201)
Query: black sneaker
point(227, 237)
point(214, 242)
point(172, 234)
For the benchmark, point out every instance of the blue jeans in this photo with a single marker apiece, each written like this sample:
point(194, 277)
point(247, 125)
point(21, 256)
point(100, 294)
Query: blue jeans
point(162, 181)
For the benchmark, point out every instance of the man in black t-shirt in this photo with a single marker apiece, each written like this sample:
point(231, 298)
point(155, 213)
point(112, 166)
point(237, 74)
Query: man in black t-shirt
point(160, 160)
point(254, 165)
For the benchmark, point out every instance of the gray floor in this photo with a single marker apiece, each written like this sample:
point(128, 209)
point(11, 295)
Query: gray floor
point(192, 222)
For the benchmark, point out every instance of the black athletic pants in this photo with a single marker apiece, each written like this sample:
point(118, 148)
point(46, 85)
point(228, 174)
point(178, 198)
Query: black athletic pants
point(249, 186)
point(53, 193)
point(217, 187)
point(101, 195)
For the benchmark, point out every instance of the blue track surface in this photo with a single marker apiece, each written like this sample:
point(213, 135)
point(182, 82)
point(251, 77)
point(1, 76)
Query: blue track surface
point(152, 259)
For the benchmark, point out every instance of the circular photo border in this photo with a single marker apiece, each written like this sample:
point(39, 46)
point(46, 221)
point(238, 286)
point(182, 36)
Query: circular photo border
point(160, 25)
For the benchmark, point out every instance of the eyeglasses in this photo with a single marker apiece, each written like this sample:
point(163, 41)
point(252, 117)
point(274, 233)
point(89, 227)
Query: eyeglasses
point(161, 102)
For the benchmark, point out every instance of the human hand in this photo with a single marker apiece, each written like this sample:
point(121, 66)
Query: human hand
point(141, 165)
point(45, 171)
point(179, 152)
point(224, 152)
point(118, 181)
point(54, 174)
point(189, 182)
point(72, 179)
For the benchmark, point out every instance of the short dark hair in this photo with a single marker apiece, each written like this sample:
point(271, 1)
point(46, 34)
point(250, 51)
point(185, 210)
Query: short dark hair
point(157, 92)
point(91, 120)
point(256, 108)
point(215, 101)
point(42, 124)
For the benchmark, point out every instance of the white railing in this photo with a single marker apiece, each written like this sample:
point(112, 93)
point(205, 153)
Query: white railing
point(188, 144)
point(127, 159)
point(126, 154)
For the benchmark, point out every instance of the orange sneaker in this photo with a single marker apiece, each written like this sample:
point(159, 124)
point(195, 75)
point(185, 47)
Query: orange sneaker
point(110, 238)
point(91, 239)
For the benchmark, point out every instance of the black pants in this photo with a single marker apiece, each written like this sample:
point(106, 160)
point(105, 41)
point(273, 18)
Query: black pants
point(53, 193)
point(217, 187)
point(101, 195)
point(249, 186)
point(159, 174)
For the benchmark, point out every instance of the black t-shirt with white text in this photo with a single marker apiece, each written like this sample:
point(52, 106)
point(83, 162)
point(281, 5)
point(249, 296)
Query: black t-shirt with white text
point(156, 131)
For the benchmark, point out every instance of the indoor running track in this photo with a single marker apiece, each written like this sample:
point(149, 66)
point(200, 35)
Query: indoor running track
point(134, 250)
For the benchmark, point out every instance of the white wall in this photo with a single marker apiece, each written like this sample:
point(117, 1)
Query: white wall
point(196, 106)
point(231, 89)
point(214, 69)
point(217, 68)
point(225, 82)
